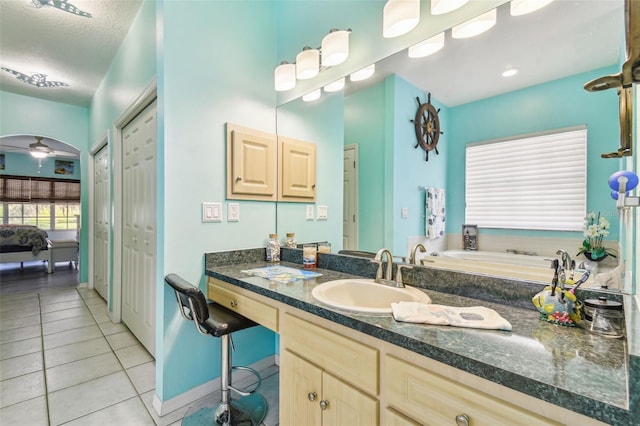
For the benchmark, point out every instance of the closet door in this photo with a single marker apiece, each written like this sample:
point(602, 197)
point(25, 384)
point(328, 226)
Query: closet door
point(139, 226)
point(101, 222)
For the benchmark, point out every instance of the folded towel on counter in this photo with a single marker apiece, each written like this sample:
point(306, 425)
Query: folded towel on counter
point(472, 317)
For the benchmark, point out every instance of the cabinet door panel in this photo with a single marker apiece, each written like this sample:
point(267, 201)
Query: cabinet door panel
point(251, 164)
point(298, 379)
point(346, 405)
point(297, 174)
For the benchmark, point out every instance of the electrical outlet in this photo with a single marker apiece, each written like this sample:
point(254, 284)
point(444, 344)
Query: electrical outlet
point(309, 214)
point(404, 212)
point(233, 212)
point(322, 212)
point(211, 212)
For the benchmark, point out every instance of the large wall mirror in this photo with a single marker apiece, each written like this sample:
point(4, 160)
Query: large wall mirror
point(556, 50)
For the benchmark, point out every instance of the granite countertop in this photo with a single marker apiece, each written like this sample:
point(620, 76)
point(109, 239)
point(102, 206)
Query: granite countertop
point(567, 366)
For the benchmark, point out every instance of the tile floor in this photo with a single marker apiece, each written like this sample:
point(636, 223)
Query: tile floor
point(62, 361)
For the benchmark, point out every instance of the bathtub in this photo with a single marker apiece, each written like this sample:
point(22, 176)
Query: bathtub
point(498, 257)
point(509, 265)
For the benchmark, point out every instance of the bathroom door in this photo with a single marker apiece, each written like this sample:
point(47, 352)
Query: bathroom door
point(101, 221)
point(139, 226)
point(350, 201)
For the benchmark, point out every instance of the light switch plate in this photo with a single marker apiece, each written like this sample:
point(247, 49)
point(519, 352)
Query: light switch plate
point(309, 214)
point(211, 212)
point(233, 212)
point(322, 212)
point(404, 212)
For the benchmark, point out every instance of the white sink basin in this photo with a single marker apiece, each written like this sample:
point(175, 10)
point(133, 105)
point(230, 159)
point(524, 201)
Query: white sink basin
point(364, 295)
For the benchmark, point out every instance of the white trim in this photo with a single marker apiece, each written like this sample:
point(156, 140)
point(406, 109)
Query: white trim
point(147, 96)
point(186, 398)
point(100, 143)
point(356, 148)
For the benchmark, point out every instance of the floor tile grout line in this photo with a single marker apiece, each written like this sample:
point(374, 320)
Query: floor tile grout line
point(44, 363)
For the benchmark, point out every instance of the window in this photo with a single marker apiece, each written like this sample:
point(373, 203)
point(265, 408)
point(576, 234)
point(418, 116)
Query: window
point(528, 182)
point(49, 204)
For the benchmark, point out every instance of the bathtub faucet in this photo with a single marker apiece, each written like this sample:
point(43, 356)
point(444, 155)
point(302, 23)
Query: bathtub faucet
point(566, 259)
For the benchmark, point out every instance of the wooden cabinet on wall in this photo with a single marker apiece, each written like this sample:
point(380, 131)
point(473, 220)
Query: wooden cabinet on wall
point(252, 158)
point(297, 173)
point(267, 167)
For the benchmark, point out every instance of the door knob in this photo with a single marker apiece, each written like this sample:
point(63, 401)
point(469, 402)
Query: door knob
point(234, 303)
point(312, 396)
point(324, 404)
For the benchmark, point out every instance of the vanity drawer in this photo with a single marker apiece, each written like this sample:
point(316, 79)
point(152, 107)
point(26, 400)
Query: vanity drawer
point(341, 356)
point(224, 294)
point(432, 399)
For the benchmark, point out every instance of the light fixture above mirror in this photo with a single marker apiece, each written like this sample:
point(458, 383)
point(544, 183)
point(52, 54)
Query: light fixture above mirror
point(427, 47)
point(475, 26)
point(440, 7)
point(335, 47)
point(309, 62)
point(399, 17)
point(363, 74)
point(522, 7)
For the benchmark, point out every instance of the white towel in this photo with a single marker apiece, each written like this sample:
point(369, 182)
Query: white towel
point(472, 317)
point(434, 213)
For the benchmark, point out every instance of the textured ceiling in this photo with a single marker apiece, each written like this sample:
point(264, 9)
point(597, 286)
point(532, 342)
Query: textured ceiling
point(66, 47)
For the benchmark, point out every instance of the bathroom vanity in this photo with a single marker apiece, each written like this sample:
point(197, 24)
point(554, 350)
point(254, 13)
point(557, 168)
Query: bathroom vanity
point(345, 368)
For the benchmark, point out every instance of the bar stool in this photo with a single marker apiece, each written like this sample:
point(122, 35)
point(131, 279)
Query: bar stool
point(217, 321)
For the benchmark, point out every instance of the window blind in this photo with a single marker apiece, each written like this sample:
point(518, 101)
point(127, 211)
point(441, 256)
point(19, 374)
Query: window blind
point(532, 182)
point(26, 189)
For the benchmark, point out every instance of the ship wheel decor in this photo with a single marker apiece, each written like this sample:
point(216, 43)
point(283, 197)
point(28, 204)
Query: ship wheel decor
point(427, 125)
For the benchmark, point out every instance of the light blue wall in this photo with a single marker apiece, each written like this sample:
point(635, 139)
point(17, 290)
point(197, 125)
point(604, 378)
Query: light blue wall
point(218, 61)
point(322, 123)
point(555, 105)
point(410, 168)
point(63, 122)
point(26, 165)
point(131, 70)
point(378, 119)
point(364, 126)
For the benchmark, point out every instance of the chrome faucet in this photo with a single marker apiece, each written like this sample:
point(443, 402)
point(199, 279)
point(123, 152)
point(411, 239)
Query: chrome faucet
point(412, 253)
point(378, 259)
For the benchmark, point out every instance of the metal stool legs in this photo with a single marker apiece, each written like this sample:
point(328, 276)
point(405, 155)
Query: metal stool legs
point(248, 409)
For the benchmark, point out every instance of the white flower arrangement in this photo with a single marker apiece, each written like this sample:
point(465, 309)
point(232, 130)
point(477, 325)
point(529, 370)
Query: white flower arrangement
point(597, 227)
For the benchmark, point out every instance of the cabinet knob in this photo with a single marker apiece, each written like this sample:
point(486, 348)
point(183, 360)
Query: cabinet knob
point(324, 404)
point(238, 178)
point(312, 396)
point(462, 420)
point(234, 303)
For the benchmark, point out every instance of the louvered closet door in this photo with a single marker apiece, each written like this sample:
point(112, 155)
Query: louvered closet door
point(101, 221)
point(139, 226)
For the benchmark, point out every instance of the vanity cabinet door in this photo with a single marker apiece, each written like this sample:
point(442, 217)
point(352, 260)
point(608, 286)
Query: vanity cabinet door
point(297, 171)
point(300, 391)
point(311, 396)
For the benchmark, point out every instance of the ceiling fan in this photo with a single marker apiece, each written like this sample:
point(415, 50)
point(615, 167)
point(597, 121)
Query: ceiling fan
point(38, 149)
point(62, 5)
